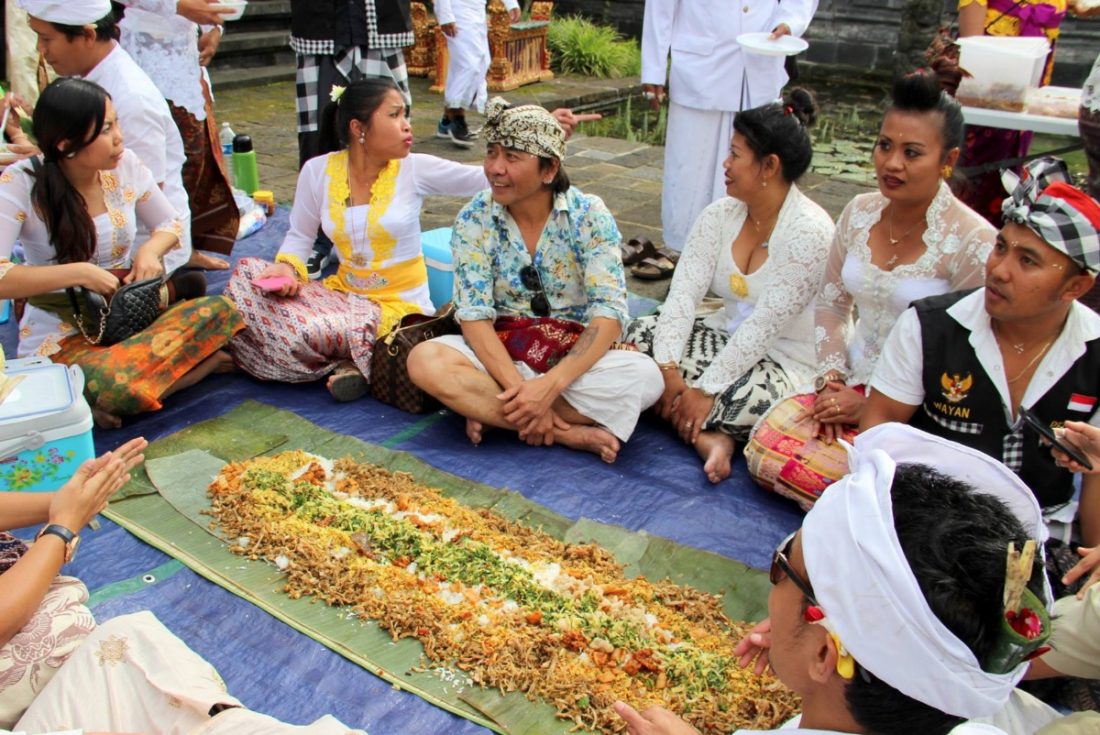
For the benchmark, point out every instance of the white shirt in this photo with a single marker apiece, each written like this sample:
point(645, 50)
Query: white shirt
point(465, 11)
point(957, 243)
point(149, 131)
point(165, 46)
point(899, 375)
point(1090, 91)
point(131, 195)
point(710, 70)
point(768, 313)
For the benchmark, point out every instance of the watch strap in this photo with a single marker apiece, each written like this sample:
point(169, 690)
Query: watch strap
point(69, 537)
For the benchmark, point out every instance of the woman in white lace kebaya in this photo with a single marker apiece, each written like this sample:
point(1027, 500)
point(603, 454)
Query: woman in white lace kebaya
point(909, 240)
point(762, 249)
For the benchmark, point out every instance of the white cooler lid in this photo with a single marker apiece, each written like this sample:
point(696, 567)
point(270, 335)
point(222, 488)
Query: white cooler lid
point(43, 400)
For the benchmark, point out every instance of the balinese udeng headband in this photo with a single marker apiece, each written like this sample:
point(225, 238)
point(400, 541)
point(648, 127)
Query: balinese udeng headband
point(527, 128)
point(68, 13)
point(1065, 217)
point(866, 587)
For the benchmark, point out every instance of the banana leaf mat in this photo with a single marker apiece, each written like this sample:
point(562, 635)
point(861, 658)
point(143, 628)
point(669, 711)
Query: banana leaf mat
point(181, 465)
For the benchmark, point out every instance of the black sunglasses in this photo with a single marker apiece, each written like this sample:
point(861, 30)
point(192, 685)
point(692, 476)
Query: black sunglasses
point(781, 567)
point(532, 281)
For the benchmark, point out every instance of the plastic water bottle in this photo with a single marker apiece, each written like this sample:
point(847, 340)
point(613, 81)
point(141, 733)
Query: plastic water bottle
point(225, 137)
point(245, 173)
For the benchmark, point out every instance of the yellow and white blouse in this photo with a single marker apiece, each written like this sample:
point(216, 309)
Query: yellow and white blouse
point(378, 244)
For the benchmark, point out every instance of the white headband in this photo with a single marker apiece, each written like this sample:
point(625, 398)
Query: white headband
point(867, 589)
point(69, 13)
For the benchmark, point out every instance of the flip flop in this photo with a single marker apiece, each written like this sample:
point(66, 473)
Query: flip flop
point(657, 267)
point(637, 249)
point(348, 384)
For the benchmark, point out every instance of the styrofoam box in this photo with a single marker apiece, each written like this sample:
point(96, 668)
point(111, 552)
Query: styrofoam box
point(45, 427)
point(441, 271)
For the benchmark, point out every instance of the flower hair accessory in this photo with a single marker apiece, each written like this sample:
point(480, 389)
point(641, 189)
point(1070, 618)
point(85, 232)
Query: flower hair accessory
point(1026, 623)
point(336, 92)
point(788, 110)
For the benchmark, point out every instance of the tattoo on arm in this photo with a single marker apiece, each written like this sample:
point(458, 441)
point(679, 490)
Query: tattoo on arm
point(585, 341)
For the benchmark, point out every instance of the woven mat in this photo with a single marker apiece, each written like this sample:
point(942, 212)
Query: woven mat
point(180, 467)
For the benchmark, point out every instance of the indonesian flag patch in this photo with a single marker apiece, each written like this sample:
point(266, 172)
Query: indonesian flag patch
point(1078, 402)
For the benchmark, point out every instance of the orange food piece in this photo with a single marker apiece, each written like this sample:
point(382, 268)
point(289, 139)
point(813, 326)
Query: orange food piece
point(534, 618)
point(574, 640)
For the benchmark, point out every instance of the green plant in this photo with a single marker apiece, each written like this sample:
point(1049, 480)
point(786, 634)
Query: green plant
point(579, 46)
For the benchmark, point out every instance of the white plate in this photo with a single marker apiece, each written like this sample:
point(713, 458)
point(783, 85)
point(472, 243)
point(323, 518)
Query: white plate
point(761, 43)
point(237, 6)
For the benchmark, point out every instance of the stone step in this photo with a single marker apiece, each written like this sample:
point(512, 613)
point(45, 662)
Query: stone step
point(236, 78)
point(235, 44)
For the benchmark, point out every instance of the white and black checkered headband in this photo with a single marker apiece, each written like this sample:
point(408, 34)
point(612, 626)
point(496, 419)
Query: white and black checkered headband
point(1042, 201)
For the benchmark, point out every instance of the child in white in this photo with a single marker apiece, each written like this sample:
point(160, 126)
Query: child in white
point(464, 24)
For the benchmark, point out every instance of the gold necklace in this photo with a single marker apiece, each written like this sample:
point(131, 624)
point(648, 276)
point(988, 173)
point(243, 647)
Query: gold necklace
point(895, 241)
point(1032, 362)
point(756, 225)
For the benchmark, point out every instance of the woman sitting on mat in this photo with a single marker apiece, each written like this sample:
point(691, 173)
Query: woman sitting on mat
point(762, 249)
point(910, 239)
point(53, 656)
point(541, 298)
point(366, 195)
point(75, 209)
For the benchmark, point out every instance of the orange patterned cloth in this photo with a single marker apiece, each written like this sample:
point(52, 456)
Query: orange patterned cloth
point(783, 455)
point(131, 376)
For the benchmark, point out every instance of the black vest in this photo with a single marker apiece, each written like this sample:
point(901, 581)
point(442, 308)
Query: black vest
point(389, 26)
point(962, 404)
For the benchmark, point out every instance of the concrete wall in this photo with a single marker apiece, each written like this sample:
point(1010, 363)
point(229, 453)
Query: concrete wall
point(862, 33)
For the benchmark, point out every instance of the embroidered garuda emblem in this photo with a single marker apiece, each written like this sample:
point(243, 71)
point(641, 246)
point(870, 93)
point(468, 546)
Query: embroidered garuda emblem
point(955, 387)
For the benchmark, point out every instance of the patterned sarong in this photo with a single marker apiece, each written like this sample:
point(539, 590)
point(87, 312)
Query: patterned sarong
point(540, 341)
point(296, 340)
point(131, 376)
point(214, 214)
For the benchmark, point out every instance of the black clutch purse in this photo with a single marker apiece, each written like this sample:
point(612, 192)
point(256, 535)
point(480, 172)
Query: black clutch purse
point(132, 308)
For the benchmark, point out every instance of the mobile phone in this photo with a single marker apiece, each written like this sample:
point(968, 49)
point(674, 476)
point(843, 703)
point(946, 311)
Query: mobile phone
point(272, 283)
point(1044, 431)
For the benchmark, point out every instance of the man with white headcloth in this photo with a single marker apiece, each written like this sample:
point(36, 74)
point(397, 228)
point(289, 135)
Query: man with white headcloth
point(887, 613)
point(79, 38)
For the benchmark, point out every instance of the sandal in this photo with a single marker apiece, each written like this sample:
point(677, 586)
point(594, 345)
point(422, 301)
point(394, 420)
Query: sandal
point(347, 384)
point(637, 249)
point(657, 267)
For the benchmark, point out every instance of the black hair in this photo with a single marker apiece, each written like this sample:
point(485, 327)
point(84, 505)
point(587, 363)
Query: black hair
point(560, 184)
point(955, 541)
point(359, 101)
point(106, 28)
point(922, 92)
point(781, 128)
point(72, 111)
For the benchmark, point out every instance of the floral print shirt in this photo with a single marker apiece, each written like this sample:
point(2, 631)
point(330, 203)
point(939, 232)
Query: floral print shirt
point(577, 257)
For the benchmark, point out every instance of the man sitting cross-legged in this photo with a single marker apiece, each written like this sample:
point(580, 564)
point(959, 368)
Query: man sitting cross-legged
point(541, 297)
point(961, 365)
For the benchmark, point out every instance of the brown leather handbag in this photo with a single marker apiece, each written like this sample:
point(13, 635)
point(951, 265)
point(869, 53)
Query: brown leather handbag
point(389, 376)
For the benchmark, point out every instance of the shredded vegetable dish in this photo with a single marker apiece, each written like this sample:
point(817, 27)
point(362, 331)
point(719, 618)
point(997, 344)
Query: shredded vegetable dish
point(511, 606)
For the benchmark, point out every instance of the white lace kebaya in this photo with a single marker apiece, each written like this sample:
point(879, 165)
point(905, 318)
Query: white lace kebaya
point(957, 243)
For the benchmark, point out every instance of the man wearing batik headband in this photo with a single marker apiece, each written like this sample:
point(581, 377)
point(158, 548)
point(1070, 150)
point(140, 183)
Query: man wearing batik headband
point(961, 365)
point(888, 613)
point(540, 293)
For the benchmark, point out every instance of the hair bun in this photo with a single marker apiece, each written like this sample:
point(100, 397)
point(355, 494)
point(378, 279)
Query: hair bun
point(801, 103)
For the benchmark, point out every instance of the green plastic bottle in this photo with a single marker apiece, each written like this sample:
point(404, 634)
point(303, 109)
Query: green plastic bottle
point(246, 176)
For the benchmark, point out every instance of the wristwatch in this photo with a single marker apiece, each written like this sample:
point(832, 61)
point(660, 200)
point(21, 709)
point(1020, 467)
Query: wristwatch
point(72, 540)
point(822, 380)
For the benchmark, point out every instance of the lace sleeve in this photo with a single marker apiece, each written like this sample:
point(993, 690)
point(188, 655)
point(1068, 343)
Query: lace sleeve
point(833, 314)
point(967, 265)
point(800, 243)
point(15, 203)
point(690, 281)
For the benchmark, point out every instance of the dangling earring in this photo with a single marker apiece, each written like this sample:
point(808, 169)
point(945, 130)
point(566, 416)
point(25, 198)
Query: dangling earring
point(946, 172)
point(71, 154)
point(362, 138)
point(764, 184)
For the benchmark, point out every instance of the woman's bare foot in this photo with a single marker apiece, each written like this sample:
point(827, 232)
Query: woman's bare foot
point(475, 430)
point(206, 262)
point(104, 419)
point(225, 362)
point(346, 382)
point(590, 439)
point(716, 449)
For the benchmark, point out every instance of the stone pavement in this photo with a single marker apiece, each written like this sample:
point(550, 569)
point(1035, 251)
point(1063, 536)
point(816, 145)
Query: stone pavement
point(626, 175)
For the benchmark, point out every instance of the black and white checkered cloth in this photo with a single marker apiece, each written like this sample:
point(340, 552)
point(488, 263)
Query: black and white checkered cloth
point(345, 66)
point(1012, 452)
point(1043, 201)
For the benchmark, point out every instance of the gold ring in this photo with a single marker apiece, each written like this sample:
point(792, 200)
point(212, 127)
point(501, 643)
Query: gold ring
point(836, 409)
point(834, 402)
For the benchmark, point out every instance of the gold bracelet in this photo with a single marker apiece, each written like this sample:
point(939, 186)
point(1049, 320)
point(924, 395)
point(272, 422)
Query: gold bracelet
point(668, 366)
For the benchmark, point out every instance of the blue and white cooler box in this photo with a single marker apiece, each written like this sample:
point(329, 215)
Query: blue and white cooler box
point(45, 427)
point(441, 270)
